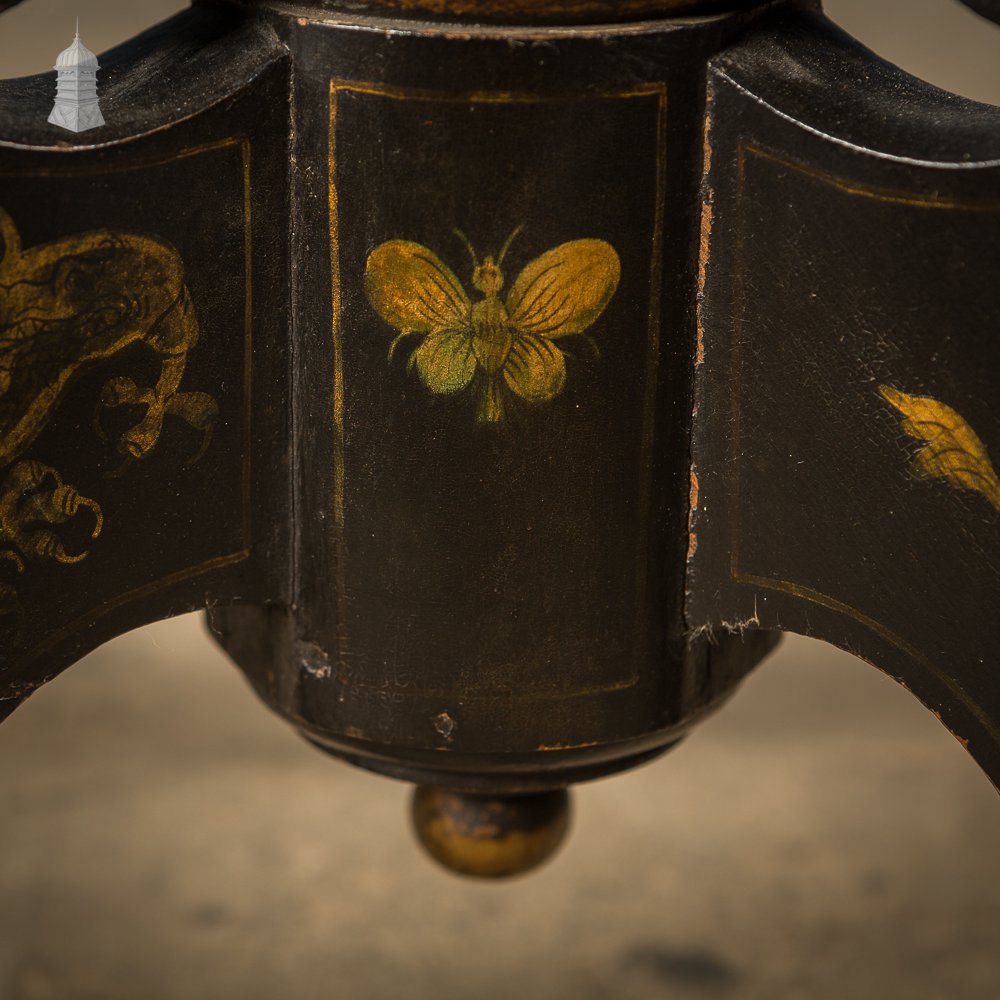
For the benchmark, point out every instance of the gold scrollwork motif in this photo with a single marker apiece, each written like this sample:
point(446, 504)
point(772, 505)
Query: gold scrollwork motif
point(499, 348)
point(951, 448)
point(63, 306)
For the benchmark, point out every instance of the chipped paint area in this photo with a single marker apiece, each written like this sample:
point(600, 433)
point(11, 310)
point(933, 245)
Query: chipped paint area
point(705, 232)
point(692, 508)
point(708, 197)
point(445, 726)
point(315, 661)
point(740, 625)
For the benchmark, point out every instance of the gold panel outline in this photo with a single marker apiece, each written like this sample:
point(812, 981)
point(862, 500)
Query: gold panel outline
point(91, 617)
point(801, 591)
point(657, 89)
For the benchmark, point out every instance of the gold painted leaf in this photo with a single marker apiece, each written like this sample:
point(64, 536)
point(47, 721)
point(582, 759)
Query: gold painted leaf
point(952, 449)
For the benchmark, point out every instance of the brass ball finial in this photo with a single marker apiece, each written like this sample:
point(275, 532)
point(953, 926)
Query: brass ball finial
point(490, 836)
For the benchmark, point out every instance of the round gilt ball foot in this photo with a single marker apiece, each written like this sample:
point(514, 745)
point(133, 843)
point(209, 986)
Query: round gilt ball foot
point(490, 837)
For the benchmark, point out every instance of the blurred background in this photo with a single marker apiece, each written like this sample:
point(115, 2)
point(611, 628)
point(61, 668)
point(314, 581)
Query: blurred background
point(163, 836)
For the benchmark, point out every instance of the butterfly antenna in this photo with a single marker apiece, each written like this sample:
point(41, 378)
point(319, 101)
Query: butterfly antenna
point(510, 239)
point(468, 246)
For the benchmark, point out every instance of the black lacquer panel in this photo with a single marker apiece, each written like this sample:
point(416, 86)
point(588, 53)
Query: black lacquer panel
point(848, 453)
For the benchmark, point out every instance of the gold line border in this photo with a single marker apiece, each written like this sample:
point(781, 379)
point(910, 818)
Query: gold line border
point(114, 168)
point(92, 616)
point(738, 574)
point(656, 89)
point(340, 543)
point(652, 373)
point(870, 191)
point(245, 151)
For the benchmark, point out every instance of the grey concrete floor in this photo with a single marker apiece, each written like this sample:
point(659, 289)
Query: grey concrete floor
point(163, 836)
point(822, 838)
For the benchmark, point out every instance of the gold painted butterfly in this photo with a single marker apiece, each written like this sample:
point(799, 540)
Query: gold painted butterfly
point(498, 347)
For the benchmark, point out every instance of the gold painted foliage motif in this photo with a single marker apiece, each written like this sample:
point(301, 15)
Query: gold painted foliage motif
point(951, 448)
point(495, 348)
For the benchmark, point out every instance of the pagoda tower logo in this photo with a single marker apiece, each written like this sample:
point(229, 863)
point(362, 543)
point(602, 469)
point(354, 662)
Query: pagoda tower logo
point(76, 106)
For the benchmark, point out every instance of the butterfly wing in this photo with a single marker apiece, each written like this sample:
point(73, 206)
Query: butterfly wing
point(556, 295)
point(415, 292)
point(565, 290)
